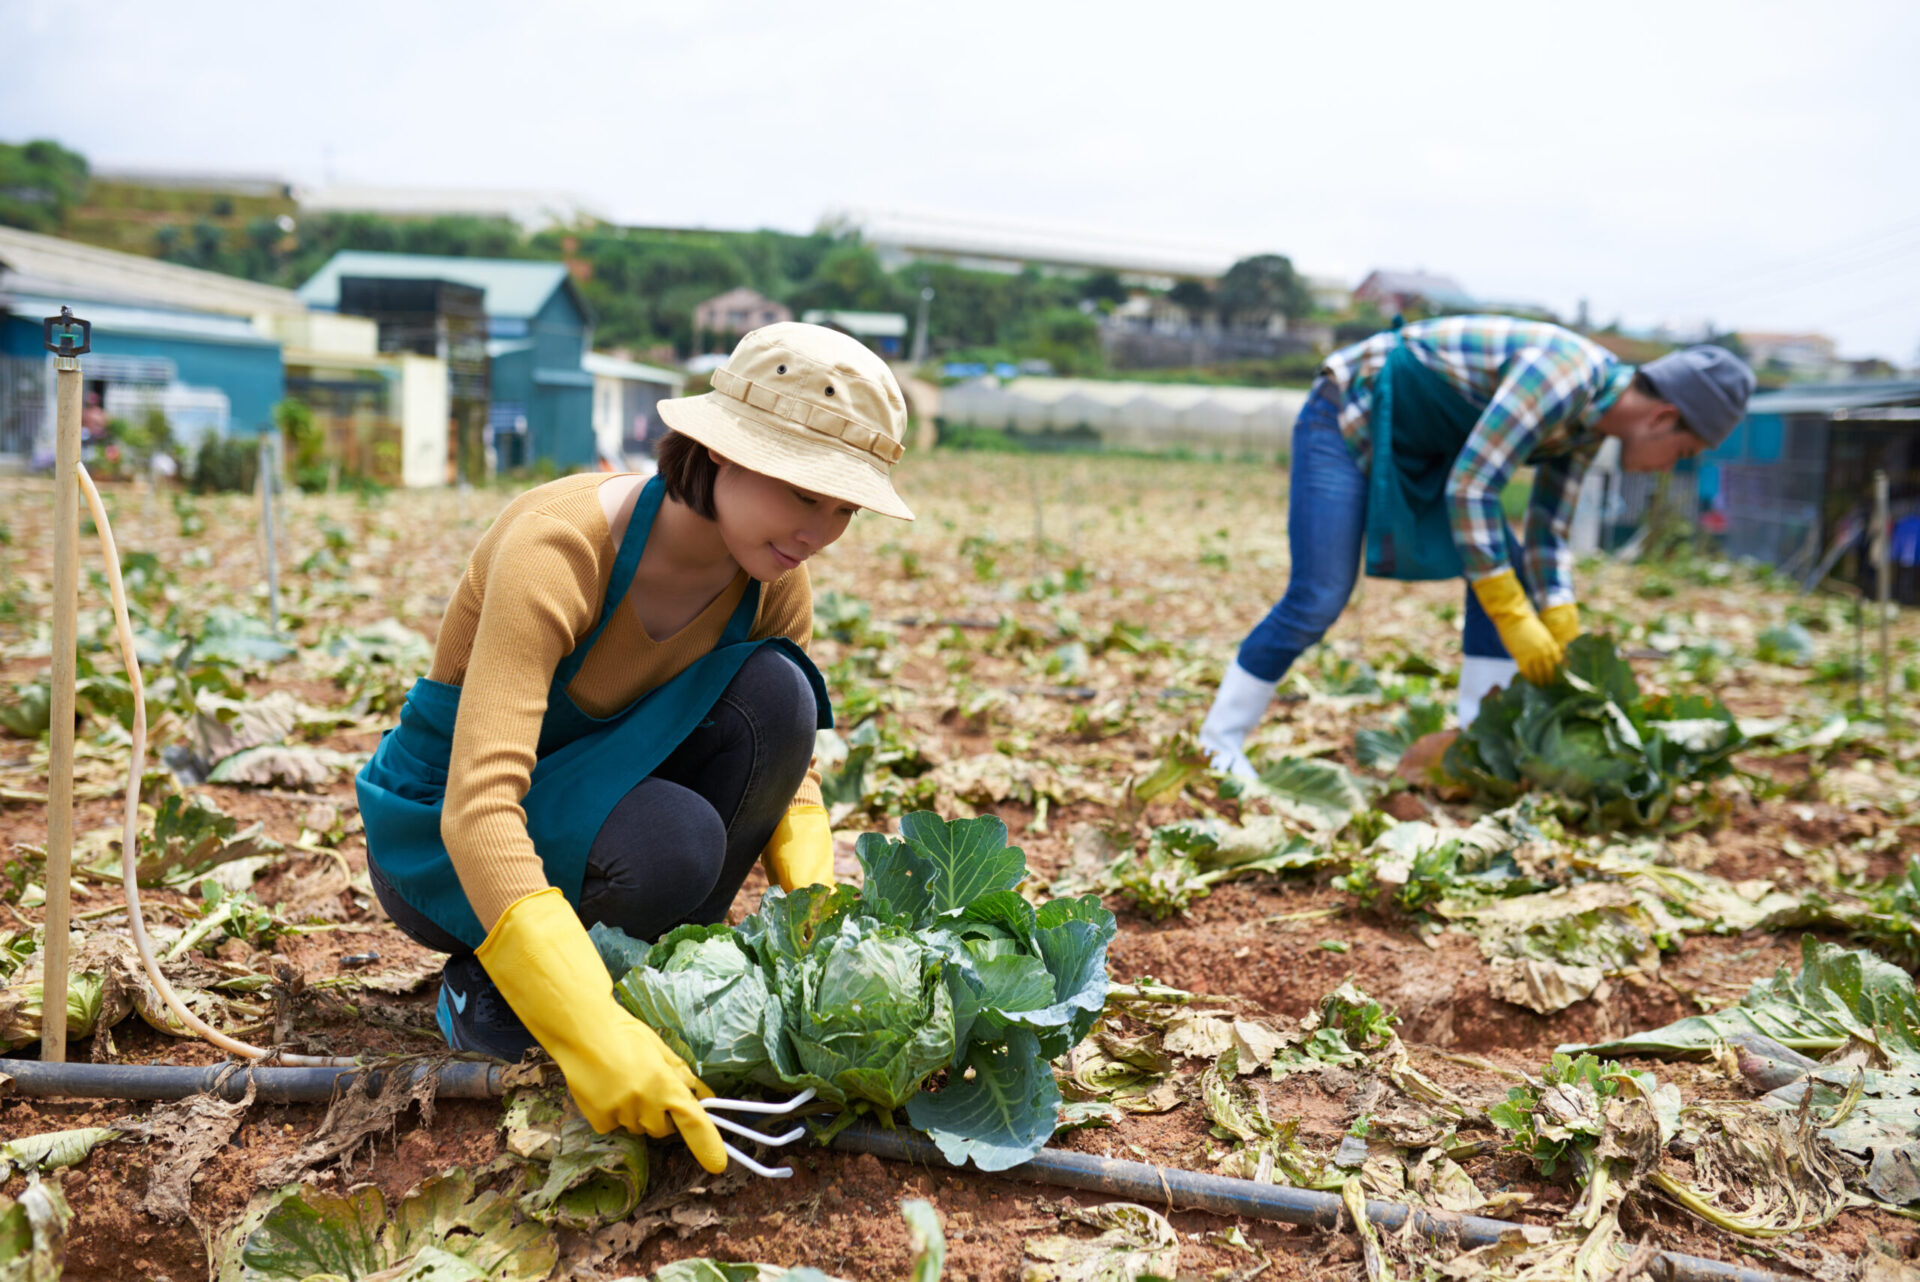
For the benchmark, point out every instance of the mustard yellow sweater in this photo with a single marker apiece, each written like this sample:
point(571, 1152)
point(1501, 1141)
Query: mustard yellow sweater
point(532, 591)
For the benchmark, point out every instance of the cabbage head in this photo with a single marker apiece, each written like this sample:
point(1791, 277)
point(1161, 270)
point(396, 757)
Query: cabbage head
point(868, 1014)
point(707, 997)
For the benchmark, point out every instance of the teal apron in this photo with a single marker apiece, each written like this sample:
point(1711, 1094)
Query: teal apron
point(1419, 424)
point(584, 765)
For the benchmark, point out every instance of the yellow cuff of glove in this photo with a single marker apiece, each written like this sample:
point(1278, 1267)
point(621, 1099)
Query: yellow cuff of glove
point(800, 853)
point(1563, 621)
point(1534, 649)
point(620, 1072)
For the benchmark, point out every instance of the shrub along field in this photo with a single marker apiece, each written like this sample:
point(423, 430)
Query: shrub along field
point(1573, 971)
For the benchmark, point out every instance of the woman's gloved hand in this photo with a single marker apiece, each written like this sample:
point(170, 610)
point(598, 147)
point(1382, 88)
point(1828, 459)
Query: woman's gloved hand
point(1527, 639)
point(1563, 621)
point(620, 1072)
point(800, 852)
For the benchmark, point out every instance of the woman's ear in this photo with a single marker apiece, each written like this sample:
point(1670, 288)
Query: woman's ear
point(715, 455)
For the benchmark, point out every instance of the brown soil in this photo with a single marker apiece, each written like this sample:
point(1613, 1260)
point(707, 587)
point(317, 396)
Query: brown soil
point(1138, 531)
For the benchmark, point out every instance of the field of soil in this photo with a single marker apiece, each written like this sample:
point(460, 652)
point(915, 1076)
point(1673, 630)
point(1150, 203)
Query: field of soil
point(1034, 647)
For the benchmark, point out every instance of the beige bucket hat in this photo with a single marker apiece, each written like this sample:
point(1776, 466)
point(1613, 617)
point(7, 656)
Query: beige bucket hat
point(809, 405)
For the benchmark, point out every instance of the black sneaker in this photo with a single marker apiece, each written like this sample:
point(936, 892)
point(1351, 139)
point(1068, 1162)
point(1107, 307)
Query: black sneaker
point(473, 1016)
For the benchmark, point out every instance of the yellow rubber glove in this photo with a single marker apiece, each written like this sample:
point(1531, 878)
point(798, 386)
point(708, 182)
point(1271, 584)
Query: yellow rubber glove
point(1563, 621)
point(800, 852)
point(620, 1072)
point(1527, 639)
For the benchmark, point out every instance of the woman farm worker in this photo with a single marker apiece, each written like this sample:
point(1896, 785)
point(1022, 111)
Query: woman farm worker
point(1406, 442)
point(620, 717)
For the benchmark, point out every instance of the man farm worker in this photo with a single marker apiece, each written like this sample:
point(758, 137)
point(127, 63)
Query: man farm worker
point(1402, 449)
point(620, 717)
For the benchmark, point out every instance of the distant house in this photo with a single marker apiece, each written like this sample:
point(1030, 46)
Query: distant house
point(538, 331)
point(191, 343)
point(1394, 291)
point(625, 423)
point(725, 317)
point(1797, 356)
point(883, 332)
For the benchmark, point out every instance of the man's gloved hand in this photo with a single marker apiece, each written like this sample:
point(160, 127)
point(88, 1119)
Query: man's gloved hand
point(1563, 621)
point(620, 1072)
point(800, 852)
point(1527, 639)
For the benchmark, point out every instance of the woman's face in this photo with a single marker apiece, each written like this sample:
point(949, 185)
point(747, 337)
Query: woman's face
point(771, 526)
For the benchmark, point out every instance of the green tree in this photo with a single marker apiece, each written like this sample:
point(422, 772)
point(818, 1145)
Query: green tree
point(850, 277)
point(1258, 288)
point(1192, 295)
point(39, 182)
point(1104, 287)
point(1065, 337)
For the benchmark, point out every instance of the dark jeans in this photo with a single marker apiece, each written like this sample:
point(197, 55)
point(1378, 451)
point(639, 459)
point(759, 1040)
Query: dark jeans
point(1326, 531)
point(677, 847)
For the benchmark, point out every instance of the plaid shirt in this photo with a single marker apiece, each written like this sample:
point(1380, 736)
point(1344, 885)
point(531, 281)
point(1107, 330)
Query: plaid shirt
point(1542, 389)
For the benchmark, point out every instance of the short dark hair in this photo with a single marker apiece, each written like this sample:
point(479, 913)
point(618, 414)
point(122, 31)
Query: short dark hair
point(688, 471)
point(1645, 387)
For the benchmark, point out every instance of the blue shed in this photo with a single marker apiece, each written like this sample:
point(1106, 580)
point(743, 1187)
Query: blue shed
point(538, 331)
point(163, 347)
point(1779, 479)
point(192, 343)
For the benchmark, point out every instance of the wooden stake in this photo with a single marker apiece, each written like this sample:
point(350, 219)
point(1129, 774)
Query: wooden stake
point(66, 606)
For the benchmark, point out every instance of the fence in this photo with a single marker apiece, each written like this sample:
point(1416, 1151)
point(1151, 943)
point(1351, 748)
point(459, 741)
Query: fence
point(25, 408)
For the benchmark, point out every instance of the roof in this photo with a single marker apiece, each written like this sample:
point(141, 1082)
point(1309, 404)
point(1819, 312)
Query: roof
point(154, 322)
point(516, 289)
point(603, 365)
point(1438, 289)
point(1829, 398)
point(738, 294)
point(944, 233)
point(49, 267)
point(861, 324)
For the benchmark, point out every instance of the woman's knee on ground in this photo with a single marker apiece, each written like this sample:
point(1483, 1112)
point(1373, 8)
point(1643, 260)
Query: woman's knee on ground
point(657, 857)
point(778, 699)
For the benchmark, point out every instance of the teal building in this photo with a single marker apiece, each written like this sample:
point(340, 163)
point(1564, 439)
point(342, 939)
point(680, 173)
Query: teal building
point(538, 331)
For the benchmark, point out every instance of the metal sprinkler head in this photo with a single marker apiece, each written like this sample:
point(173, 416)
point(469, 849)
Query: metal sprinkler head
point(57, 332)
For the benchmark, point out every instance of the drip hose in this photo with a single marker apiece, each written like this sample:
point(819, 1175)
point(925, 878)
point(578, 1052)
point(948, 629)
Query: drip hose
point(1134, 1181)
point(32, 1079)
point(129, 839)
point(1194, 1191)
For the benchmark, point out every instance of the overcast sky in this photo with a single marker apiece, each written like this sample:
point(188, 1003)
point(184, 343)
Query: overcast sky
point(1752, 164)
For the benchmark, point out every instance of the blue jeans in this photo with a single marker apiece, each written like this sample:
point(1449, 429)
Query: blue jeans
point(1326, 529)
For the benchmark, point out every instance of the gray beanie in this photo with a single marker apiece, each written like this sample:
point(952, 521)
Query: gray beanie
point(1708, 385)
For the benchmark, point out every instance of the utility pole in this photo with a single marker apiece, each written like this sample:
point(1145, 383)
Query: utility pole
point(919, 356)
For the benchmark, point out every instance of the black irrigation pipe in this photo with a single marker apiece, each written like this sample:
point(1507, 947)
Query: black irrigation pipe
point(1194, 1191)
point(1136, 1181)
point(458, 1079)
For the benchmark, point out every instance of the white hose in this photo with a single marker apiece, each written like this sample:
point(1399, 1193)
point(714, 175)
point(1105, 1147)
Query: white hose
point(129, 844)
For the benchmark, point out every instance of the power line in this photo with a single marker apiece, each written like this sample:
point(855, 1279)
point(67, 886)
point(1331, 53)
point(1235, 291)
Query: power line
point(1816, 261)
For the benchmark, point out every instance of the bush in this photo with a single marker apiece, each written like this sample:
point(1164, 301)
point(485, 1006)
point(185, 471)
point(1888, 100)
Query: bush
point(226, 463)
